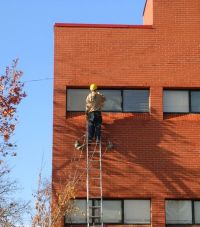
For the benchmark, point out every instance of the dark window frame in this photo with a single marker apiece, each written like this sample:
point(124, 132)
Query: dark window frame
point(110, 89)
point(193, 213)
point(122, 211)
point(189, 101)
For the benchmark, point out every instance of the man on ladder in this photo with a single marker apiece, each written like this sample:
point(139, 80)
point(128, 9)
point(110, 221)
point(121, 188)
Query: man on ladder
point(94, 104)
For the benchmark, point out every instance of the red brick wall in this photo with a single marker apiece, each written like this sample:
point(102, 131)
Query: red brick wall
point(155, 156)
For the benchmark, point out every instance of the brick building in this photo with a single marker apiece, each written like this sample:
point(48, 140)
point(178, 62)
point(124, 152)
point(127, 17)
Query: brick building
point(151, 76)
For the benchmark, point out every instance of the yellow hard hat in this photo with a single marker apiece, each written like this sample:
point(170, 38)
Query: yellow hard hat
point(93, 87)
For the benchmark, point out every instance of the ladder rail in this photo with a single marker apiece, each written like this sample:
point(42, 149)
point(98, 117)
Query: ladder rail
point(87, 179)
point(94, 212)
point(101, 189)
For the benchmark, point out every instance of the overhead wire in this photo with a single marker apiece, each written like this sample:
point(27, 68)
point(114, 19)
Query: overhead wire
point(37, 80)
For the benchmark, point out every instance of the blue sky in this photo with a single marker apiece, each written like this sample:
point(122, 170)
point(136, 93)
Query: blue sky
point(26, 32)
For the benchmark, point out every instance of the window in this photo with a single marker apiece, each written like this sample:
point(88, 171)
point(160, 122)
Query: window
point(197, 212)
point(79, 214)
point(182, 212)
point(113, 100)
point(117, 100)
point(76, 99)
point(195, 101)
point(178, 212)
point(176, 101)
point(181, 101)
point(119, 211)
point(136, 101)
point(112, 211)
point(137, 211)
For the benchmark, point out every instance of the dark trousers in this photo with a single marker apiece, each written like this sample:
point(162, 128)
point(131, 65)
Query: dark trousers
point(94, 125)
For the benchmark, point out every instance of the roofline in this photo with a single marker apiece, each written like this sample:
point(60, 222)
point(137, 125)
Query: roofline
point(144, 7)
point(102, 25)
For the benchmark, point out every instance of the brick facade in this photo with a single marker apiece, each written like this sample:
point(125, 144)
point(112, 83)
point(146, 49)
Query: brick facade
point(156, 155)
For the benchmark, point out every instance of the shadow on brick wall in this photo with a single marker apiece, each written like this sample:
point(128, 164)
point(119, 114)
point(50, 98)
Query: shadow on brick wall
point(151, 157)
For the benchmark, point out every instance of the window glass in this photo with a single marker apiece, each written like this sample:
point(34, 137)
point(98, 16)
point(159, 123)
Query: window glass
point(137, 211)
point(133, 100)
point(197, 212)
point(76, 99)
point(195, 101)
point(79, 214)
point(113, 100)
point(178, 212)
point(176, 101)
point(112, 211)
point(136, 100)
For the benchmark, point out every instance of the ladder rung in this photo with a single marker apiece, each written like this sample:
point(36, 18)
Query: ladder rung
point(94, 216)
point(94, 186)
point(93, 143)
point(94, 151)
point(94, 154)
point(95, 207)
point(95, 168)
point(95, 178)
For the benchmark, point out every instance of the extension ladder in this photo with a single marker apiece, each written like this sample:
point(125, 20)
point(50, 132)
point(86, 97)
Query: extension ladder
point(94, 184)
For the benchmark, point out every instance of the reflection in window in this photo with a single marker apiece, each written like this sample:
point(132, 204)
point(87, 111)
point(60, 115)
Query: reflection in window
point(181, 101)
point(113, 100)
point(176, 101)
point(137, 211)
point(79, 214)
point(195, 101)
point(197, 212)
point(117, 211)
point(178, 212)
point(136, 100)
point(117, 100)
point(112, 211)
point(76, 99)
